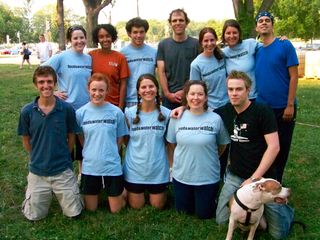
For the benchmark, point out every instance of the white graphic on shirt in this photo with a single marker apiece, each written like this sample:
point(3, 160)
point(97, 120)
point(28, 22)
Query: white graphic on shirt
point(236, 137)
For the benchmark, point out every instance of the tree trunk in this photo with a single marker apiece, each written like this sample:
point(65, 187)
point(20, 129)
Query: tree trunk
point(265, 5)
point(93, 7)
point(60, 11)
point(236, 4)
point(244, 13)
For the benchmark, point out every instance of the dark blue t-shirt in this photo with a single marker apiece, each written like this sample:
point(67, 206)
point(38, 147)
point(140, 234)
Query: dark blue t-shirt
point(48, 134)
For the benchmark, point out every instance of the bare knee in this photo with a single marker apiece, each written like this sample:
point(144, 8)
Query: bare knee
point(91, 202)
point(136, 200)
point(158, 200)
point(117, 203)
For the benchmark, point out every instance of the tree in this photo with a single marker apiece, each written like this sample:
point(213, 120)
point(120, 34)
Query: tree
point(156, 30)
point(298, 18)
point(245, 13)
point(45, 21)
point(93, 7)
point(60, 22)
point(10, 24)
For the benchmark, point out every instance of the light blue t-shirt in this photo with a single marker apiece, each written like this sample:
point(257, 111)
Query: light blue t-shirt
point(101, 127)
point(242, 58)
point(196, 159)
point(140, 60)
point(146, 159)
point(213, 72)
point(73, 70)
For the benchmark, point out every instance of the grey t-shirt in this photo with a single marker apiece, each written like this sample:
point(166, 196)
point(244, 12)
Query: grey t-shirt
point(177, 57)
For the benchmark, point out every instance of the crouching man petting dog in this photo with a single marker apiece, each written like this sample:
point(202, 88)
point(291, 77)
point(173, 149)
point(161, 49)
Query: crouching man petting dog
point(254, 146)
point(48, 126)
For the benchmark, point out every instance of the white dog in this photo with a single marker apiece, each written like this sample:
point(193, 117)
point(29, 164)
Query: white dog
point(247, 204)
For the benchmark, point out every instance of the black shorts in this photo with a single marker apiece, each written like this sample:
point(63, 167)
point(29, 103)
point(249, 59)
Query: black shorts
point(92, 185)
point(76, 154)
point(26, 57)
point(141, 188)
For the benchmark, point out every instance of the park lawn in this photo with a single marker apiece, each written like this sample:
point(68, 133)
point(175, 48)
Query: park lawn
point(302, 175)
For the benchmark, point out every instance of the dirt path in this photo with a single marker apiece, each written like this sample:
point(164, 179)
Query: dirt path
point(17, 59)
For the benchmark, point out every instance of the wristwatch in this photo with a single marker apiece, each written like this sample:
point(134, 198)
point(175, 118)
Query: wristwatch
point(253, 179)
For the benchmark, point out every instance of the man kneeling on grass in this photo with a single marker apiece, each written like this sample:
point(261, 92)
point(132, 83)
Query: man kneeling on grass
point(48, 126)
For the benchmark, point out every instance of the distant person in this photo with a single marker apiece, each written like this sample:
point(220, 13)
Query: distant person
point(140, 56)
point(196, 141)
point(111, 63)
point(277, 80)
point(25, 55)
point(73, 68)
point(103, 127)
point(146, 165)
point(44, 49)
point(174, 57)
point(48, 127)
point(209, 66)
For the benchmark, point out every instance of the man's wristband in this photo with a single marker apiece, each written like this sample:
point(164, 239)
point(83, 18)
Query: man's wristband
point(253, 179)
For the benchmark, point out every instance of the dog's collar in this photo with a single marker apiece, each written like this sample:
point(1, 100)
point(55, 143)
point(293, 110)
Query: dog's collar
point(244, 207)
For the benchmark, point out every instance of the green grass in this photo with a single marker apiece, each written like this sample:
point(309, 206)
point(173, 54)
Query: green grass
point(302, 175)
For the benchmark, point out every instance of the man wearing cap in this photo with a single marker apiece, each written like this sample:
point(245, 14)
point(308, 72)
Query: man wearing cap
point(277, 79)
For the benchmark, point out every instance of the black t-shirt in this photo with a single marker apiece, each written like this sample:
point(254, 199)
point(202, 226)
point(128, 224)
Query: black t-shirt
point(247, 131)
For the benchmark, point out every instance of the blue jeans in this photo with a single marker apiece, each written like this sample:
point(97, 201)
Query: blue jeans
point(191, 199)
point(279, 217)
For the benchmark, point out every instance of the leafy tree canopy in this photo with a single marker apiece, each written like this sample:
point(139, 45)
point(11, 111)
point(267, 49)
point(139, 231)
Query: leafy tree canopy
point(297, 18)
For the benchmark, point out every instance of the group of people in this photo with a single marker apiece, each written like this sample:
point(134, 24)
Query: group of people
point(234, 104)
point(44, 51)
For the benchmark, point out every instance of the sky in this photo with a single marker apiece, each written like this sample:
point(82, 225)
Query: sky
point(123, 10)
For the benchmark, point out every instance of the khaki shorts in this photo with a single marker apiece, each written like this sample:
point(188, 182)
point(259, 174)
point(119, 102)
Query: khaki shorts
point(40, 190)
